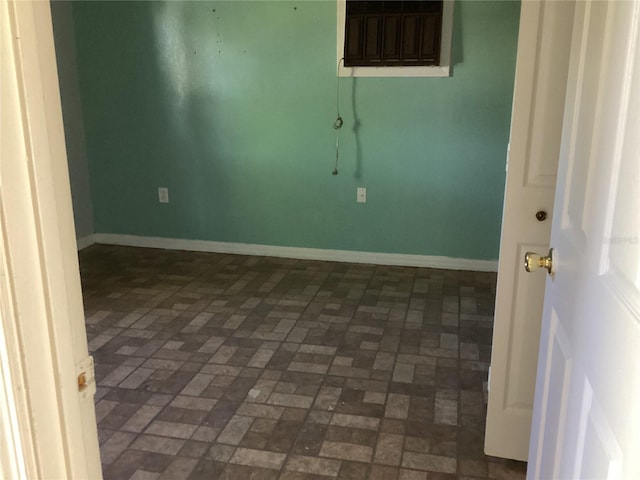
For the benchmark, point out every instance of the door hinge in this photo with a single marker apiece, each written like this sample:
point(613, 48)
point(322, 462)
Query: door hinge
point(86, 376)
point(506, 165)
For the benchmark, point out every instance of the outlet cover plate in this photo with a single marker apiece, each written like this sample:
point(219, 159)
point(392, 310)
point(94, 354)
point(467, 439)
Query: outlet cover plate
point(163, 195)
point(361, 195)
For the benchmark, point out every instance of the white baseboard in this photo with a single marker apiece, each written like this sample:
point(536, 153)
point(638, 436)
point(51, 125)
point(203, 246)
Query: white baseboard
point(398, 259)
point(84, 242)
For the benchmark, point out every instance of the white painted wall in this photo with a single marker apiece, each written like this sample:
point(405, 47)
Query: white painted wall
point(73, 119)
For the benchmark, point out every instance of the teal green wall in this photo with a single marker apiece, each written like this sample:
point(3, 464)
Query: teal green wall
point(231, 104)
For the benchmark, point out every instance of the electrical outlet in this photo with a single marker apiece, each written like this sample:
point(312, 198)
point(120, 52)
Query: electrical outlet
point(163, 195)
point(361, 195)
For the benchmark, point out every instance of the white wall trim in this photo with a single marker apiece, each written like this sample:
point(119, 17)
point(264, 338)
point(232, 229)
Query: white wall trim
point(375, 258)
point(84, 242)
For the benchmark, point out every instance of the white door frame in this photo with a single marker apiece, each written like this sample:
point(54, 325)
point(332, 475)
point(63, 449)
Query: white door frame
point(586, 421)
point(48, 422)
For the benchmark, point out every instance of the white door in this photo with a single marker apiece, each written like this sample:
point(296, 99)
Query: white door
point(538, 105)
point(47, 417)
point(586, 422)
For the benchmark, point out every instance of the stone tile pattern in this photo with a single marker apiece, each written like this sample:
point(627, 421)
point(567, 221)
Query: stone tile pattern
point(232, 367)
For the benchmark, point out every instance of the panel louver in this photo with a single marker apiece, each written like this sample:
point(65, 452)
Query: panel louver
point(386, 33)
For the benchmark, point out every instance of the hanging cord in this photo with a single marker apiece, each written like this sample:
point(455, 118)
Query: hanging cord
point(337, 125)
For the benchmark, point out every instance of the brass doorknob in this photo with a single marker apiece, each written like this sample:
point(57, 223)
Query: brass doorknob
point(534, 261)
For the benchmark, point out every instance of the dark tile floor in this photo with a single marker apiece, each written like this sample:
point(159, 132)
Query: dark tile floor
point(235, 367)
